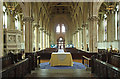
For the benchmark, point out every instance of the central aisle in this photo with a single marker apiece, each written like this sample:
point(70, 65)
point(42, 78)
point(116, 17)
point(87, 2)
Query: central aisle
point(61, 73)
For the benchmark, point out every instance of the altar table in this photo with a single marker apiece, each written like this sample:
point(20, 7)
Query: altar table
point(61, 59)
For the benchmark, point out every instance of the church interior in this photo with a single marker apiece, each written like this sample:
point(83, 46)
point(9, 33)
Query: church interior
point(60, 39)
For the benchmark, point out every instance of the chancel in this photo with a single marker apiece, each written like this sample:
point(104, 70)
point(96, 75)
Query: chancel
point(60, 39)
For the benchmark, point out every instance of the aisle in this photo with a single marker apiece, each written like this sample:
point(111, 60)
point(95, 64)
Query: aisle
point(61, 73)
point(76, 65)
point(64, 73)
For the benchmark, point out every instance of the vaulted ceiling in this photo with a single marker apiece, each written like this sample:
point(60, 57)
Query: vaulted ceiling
point(56, 8)
point(60, 8)
point(107, 6)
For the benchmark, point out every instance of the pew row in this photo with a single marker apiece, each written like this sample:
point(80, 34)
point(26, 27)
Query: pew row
point(19, 69)
point(103, 69)
point(10, 59)
point(76, 54)
point(107, 63)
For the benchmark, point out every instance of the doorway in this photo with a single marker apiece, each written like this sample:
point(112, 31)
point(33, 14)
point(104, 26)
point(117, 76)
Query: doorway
point(61, 43)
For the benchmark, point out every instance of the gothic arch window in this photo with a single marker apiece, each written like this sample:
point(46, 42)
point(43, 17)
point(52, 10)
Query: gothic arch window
point(60, 43)
point(16, 21)
point(105, 27)
point(4, 17)
point(63, 28)
point(116, 22)
point(58, 28)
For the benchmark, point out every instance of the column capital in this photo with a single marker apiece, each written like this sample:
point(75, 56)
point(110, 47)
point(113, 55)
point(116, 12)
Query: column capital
point(36, 25)
point(76, 31)
point(101, 18)
point(111, 12)
point(84, 25)
point(41, 28)
point(44, 30)
point(93, 18)
point(47, 33)
point(27, 19)
point(80, 28)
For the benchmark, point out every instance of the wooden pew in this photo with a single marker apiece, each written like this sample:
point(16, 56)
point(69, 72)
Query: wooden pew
point(86, 61)
point(19, 69)
point(33, 59)
point(76, 54)
point(105, 69)
point(6, 61)
point(115, 60)
point(102, 51)
point(46, 53)
point(38, 58)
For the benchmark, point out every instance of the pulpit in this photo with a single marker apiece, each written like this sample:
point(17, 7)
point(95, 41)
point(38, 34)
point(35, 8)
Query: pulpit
point(12, 41)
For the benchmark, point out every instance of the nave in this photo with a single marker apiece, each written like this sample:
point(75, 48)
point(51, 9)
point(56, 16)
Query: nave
point(80, 35)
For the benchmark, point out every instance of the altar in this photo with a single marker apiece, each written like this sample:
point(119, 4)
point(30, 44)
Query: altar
point(61, 59)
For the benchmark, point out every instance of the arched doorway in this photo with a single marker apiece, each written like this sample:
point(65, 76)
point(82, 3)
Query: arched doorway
point(60, 43)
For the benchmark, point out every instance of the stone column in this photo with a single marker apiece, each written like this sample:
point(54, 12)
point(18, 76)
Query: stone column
point(101, 30)
point(22, 29)
point(119, 35)
point(41, 39)
point(84, 37)
point(20, 22)
point(10, 20)
point(1, 28)
point(44, 39)
point(28, 34)
point(93, 34)
point(36, 38)
point(80, 39)
point(75, 39)
point(33, 36)
point(48, 40)
point(111, 26)
point(23, 35)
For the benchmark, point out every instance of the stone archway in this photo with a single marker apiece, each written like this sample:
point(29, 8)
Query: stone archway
point(60, 43)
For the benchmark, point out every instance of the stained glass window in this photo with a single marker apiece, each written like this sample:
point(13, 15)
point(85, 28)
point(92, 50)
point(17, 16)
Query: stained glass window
point(63, 28)
point(58, 28)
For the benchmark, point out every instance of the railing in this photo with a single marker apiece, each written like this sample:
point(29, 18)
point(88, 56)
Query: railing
point(19, 69)
point(86, 61)
point(103, 69)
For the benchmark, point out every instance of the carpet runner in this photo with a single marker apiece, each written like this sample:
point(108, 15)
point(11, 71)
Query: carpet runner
point(76, 65)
